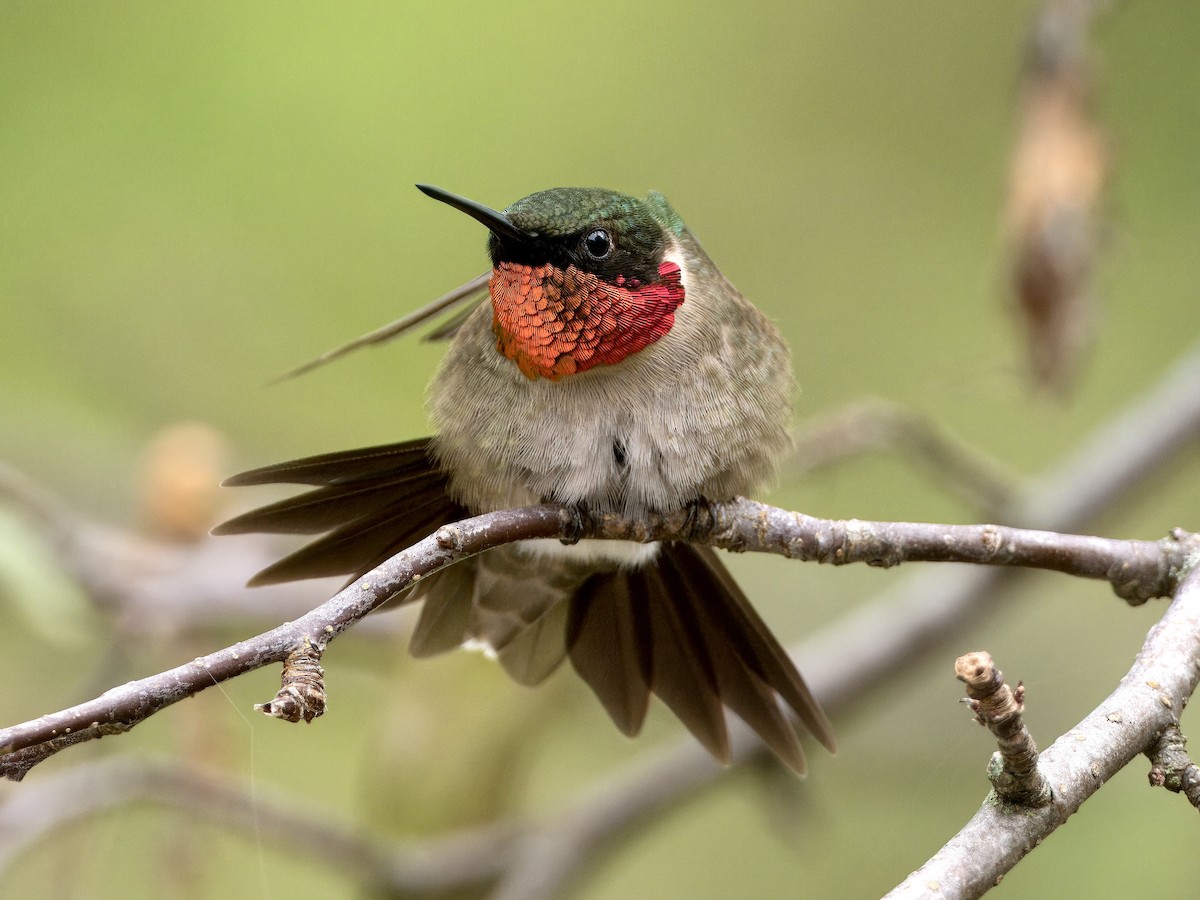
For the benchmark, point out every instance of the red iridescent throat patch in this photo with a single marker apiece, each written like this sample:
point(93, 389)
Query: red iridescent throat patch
point(553, 322)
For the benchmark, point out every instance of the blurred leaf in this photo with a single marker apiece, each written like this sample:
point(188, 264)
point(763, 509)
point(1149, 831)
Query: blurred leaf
point(34, 584)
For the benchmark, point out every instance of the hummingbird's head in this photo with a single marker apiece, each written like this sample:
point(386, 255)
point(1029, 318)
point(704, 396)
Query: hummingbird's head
point(580, 276)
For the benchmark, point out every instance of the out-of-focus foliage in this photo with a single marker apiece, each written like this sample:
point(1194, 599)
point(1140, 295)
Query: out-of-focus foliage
point(196, 197)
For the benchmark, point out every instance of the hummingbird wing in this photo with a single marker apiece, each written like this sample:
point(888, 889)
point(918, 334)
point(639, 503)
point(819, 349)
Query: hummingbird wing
point(382, 335)
point(450, 327)
point(372, 502)
point(683, 629)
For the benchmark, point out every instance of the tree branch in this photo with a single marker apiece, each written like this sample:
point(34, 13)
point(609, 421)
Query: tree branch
point(1136, 569)
point(1149, 700)
point(120, 709)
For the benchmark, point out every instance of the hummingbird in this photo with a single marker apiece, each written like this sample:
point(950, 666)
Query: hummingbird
point(614, 370)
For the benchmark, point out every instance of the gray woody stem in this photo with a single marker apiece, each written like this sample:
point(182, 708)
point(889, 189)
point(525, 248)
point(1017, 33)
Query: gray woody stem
point(1137, 570)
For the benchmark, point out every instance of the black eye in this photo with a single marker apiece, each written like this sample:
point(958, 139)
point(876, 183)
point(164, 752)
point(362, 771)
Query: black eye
point(598, 243)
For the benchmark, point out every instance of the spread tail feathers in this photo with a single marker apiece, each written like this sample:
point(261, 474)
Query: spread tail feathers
point(679, 628)
point(373, 503)
point(683, 629)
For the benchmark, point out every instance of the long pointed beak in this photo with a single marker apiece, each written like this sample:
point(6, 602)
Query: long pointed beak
point(500, 224)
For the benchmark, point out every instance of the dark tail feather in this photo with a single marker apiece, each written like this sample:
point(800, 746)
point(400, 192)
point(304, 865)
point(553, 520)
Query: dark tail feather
point(752, 641)
point(608, 639)
point(683, 630)
point(682, 670)
point(326, 508)
point(372, 502)
point(341, 466)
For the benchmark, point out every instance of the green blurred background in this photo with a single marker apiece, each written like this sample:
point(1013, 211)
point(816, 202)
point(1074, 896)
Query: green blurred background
point(196, 197)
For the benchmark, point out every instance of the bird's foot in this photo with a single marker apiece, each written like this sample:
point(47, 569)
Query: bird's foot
point(698, 519)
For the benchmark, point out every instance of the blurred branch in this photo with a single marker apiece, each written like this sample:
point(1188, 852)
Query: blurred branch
point(152, 585)
point(1132, 719)
point(873, 425)
point(1149, 700)
point(38, 810)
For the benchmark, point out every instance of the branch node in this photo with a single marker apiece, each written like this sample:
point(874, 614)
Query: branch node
point(449, 537)
point(1012, 770)
point(1184, 546)
point(302, 686)
point(1172, 768)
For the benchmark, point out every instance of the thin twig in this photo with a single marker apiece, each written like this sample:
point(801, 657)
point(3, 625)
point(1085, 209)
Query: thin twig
point(40, 809)
point(1013, 769)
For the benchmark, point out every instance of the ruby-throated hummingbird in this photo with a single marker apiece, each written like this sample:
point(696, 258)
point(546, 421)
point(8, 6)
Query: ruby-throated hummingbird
point(614, 370)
